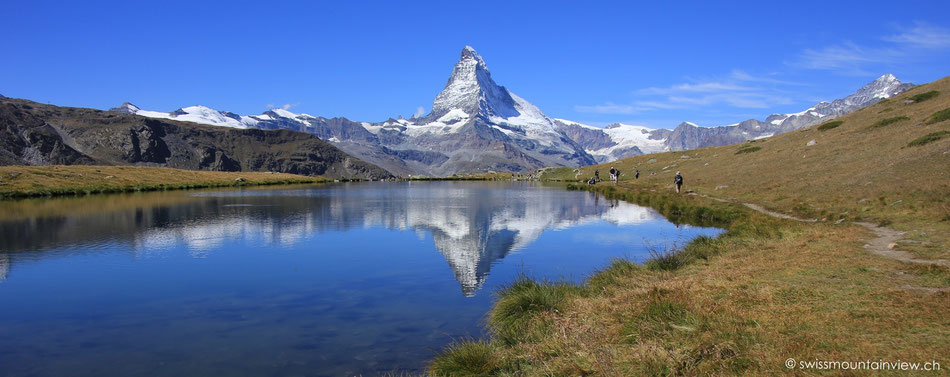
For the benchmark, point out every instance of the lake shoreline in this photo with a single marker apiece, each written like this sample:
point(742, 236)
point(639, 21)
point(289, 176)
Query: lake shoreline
point(20, 182)
point(348, 278)
point(742, 303)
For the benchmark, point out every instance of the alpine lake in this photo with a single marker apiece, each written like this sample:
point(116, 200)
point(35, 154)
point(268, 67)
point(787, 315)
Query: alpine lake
point(310, 280)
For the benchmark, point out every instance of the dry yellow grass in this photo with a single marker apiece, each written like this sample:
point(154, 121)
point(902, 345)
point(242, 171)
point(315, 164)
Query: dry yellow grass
point(25, 181)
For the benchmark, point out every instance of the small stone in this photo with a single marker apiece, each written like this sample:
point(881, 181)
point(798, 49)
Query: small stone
point(240, 179)
point(721, 187)
point(839, 221)
point(810, 143)
point(684, 157)
point(891, 245)
point(652, 160)
point(706, 164)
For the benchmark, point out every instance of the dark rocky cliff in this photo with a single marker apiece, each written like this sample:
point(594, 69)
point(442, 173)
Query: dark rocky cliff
point(38, 134)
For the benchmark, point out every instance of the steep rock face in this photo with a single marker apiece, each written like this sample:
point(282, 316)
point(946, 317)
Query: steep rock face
point(36, 134)
point(592, 138)
point(471, 89)
point(26, 138)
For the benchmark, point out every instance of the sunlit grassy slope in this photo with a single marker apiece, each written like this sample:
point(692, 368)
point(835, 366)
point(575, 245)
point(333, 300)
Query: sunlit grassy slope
point(888, 162)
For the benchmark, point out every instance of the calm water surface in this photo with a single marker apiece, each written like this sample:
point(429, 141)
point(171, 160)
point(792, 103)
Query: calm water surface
point(333, 280)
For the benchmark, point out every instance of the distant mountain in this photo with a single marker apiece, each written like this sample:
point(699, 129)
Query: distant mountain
point(620, 140)
point(38, 134)
point(475, 126)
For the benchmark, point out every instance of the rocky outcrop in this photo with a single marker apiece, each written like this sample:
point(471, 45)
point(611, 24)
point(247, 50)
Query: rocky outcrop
point(37, 134)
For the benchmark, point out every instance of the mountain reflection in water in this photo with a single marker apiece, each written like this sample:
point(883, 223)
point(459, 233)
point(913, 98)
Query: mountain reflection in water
point(327, 280)
point(473, 225)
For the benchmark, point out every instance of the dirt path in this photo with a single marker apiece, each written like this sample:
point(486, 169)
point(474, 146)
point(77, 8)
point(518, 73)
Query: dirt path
point(759, 209)
point(886, 241)
point(883, 244)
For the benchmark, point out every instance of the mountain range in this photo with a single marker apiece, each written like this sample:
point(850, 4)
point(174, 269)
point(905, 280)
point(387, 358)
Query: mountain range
point(476, 125)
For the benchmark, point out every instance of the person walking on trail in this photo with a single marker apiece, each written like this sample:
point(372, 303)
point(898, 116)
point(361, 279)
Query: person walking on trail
point(678, 181)
point(636, 174)
point(597, 175)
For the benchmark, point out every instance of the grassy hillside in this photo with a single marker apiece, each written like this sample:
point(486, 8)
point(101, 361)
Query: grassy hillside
point(31, 181)
point(889, 162)
point(767, 290)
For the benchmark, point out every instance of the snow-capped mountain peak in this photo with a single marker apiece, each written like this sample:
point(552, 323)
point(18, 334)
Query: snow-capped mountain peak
point(469, 53)
point(882, 87)
point(471, 89)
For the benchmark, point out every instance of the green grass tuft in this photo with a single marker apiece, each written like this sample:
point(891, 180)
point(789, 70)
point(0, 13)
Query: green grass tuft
point(701, 247)
point(925, 96)
point(467, 358)
point(928, 138)
point(515, 316)
point(662, 316)
point(667, 260)
point(612, 275)
point(887, 121)
point(939, 116)
point(748, 149)
point(829, 125)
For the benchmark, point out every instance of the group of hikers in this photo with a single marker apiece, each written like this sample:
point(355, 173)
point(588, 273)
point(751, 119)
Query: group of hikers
point(615, 177)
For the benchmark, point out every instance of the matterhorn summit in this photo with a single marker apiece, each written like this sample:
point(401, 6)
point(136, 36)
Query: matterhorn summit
point(471, 89)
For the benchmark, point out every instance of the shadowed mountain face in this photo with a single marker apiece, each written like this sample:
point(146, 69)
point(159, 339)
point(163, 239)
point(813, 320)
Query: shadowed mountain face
point(472, 225)
point(38, 134)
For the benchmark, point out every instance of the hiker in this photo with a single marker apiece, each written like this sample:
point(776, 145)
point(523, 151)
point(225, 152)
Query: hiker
point(613, 173)
point(636, 174)
point(617, 176)
point(597, 175)
point(591, 181)
point(678, 180)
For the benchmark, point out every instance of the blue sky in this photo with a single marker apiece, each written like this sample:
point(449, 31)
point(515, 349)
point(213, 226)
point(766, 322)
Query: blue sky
point(654, 64)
